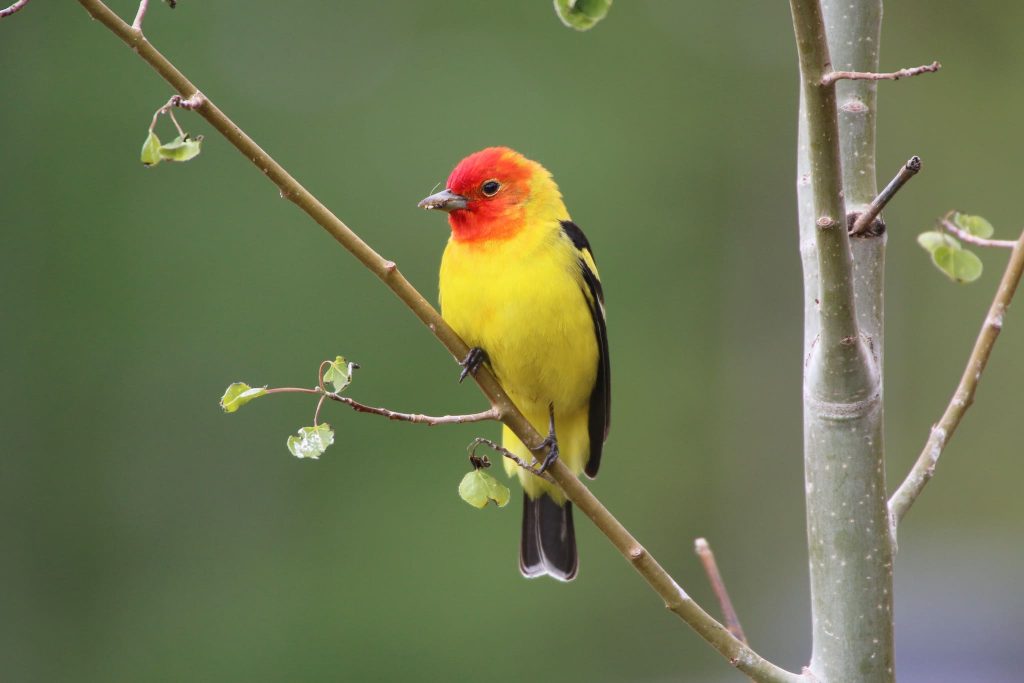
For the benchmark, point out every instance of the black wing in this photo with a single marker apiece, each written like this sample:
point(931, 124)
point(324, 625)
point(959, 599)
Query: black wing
point(601, 396)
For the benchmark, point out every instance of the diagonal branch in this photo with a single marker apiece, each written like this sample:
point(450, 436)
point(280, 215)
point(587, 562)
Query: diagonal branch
point(675, 598)
point(924, 468)
point(833, 76)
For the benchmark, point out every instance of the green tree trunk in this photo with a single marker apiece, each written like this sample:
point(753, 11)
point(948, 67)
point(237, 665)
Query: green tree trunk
point(849, 545)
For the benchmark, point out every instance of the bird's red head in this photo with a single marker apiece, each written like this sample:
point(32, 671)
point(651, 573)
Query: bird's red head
point(492, 194)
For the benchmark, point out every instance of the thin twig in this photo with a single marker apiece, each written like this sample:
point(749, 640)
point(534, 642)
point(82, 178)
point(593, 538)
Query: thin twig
point(20, 4)
point(430, 420)
point(416, 418)
point(498, 448)
point(193, 102)
point(865, 221)
point(974, 239)
point(924, 468)
point(675, 598)
point(707, 558)
point(140, 15)
point(833, 76)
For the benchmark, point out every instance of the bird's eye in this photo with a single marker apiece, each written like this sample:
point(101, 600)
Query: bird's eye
point(490, 188)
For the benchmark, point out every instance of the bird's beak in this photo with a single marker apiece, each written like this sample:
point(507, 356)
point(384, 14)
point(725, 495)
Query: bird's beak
point(445, 200)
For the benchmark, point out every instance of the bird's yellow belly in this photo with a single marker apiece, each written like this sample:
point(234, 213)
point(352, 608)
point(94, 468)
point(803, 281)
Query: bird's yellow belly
point(532, 319)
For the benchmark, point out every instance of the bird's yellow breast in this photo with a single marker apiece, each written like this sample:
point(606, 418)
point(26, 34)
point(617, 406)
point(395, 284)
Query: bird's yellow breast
point(522, 301)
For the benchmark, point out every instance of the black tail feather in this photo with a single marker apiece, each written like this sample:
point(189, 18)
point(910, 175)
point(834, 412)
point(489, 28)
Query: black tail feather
point(548, 543)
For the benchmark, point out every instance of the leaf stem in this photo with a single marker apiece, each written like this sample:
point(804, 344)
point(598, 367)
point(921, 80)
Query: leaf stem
point(676, 600)
point(963, 397)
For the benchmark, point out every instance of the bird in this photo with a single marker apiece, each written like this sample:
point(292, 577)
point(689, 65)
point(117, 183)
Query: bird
point(519, 283)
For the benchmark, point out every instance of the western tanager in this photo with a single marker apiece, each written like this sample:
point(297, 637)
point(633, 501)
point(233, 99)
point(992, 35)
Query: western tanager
point(519, 284)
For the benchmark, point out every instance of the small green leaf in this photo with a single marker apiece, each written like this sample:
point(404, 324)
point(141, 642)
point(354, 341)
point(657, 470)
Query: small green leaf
point(151, 150)
point(934, 239)
point(581, 14)
point(340, 373)
point(181, 148)
point(975, 225)
point(478, 488)
point(960, 265)
point(238, 394)
point(311, 441)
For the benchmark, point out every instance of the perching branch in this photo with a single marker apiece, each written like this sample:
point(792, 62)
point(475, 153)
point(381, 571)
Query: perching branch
point(739, 654)
point(924, 468)
point(866, 220)
point(707, 559)
point(974, 239)
point(833, 76)
point(6, 12)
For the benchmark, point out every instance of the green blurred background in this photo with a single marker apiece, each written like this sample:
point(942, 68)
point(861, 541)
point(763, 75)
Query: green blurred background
point(149, 537)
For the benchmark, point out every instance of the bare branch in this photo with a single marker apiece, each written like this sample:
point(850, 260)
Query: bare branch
point(20, 4)
point(974, 239)
point(866, 220)
point(707, 558)
point(924, 468)
point(833, 76)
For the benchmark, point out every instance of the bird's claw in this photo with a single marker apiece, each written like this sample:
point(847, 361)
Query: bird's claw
point(550, 443)
point(472, 362)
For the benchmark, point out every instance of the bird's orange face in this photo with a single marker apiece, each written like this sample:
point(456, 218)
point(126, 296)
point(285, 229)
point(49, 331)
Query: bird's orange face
point(488, 195)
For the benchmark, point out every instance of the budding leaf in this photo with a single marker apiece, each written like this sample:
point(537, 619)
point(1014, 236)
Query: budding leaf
point(960, 265)
point(478, 488)
point(976, 225)
point(181, 148)
point(311, 441)
point(339, 374)
point(238, 394)
point(151, 150)
point(581, 14)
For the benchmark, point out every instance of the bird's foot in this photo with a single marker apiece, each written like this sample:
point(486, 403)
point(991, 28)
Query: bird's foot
point(472, 362)
point(550, 443)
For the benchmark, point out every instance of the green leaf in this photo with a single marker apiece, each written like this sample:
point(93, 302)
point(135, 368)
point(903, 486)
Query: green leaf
point(151, 150)
point(478, 488)
point(934, 239)
point(975, 225)
point(238, 394)
point(581, 14)
point(960, 265)
point(311, 441)
point(181, 148)
point(340, 373)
